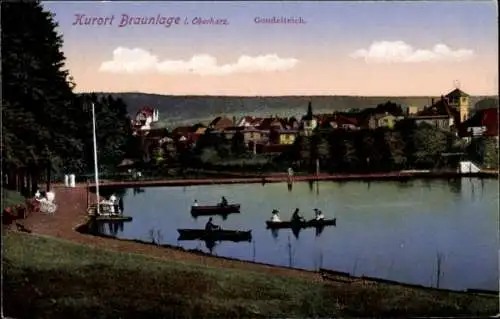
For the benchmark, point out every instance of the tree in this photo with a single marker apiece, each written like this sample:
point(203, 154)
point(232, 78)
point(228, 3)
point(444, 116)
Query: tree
point(490, 158)
point(429, 143)
point(113, 131)
point(366, 149)
point(209, 139)
point(209, 156)
point(40, 112)
point(484, 150)
point(158, 154)
point(486, 103)
point(305, 150)
point(238, 144)
point(390, 107)
point(349, 158)
point(396, 149)
point(322, 149)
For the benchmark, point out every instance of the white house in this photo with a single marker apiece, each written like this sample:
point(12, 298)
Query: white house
point(144, 118)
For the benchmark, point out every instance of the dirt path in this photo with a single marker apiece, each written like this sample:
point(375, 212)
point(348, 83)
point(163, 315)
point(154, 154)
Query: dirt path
point(71, 212)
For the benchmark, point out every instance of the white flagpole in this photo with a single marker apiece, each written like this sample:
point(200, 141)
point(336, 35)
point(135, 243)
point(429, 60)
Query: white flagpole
point(95, 160)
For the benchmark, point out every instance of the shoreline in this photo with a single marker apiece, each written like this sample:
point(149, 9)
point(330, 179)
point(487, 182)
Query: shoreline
point(283, 177)
point(324, 273)
point(71, 217)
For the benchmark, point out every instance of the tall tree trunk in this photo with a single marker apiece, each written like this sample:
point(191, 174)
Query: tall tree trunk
point(18, 180)
point(49, 175)
point(22, 180)
point(12, 179)
point(34, 179)
point(28, 183)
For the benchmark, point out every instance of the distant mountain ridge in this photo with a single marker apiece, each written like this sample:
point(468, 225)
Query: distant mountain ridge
point(176, 109)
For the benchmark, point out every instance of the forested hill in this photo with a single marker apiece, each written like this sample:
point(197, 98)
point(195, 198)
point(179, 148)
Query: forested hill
point(178, 109)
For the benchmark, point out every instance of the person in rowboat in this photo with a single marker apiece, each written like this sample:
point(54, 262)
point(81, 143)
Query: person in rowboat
point(195, 203)
point(297, 217)
point(210, 225)
point(275, 216)
point(223, 202)
point(318, 214)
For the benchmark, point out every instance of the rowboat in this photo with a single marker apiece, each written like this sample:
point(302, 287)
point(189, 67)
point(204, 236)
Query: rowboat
point(301, 224)
point(215, 235)
point(214, 210)
point(111, 218)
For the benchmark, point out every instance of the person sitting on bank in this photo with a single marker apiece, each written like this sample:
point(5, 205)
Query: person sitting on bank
point(210, 225)
point(275, 216)
point(319, 214)
point(195, 203)
point(297, 216)
point(223, 202)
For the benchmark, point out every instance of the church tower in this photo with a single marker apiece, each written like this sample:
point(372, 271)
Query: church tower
point(308, 120)
point(460, 101)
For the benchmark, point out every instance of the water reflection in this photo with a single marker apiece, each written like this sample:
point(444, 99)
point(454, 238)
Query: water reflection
point(210, 244)
point(404, 183)
point(121, 205)
point(426, 215)
point(427, 183)
point(297, 230)
point(455, 185)
point(275, 233)
point(223, 216)
point(115, 227)
point(138, 190)
point(99, 227)
point(319, 230)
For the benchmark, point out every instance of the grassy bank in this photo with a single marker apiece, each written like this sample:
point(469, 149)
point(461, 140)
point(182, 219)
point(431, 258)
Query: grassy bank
point(11, 198)
point(49, 278)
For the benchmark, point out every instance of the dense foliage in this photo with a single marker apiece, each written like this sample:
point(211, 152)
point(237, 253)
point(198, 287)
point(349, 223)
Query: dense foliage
point(44, 123)
point(381, 149)
point(407, 146)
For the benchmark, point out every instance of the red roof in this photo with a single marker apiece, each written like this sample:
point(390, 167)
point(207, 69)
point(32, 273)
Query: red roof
point(146, 111)
point(487, 118)
point(252, 120)
point(441, 107)
point(270, 122)
point(221, 122)
point(344, 120)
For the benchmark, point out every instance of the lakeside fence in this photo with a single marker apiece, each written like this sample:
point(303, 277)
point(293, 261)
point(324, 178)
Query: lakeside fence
point(192, 174)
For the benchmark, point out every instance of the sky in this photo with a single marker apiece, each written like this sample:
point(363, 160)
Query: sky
point(384, 48)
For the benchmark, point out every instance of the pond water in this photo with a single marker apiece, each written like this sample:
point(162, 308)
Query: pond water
point(391, 230)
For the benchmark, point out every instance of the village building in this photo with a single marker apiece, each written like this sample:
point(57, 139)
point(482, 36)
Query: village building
point(386, 120)
point(446, 113)
point(483, 123)
point(220, 123)
point(309, 122)
point(144, 118)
